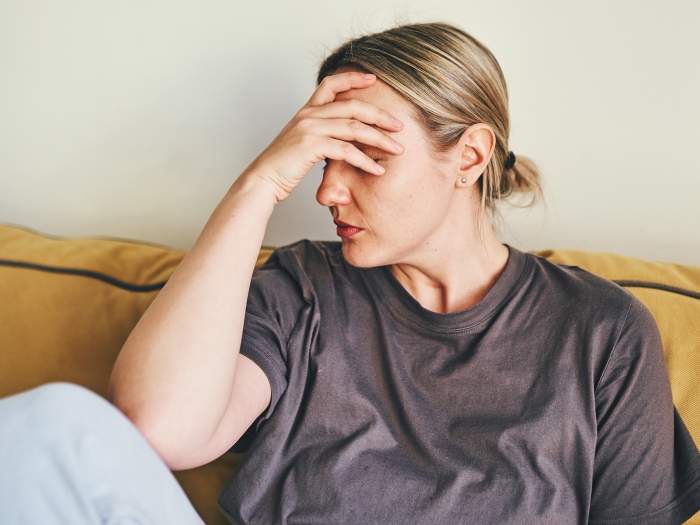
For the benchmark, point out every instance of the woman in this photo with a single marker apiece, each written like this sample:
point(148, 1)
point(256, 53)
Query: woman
point(418, 371)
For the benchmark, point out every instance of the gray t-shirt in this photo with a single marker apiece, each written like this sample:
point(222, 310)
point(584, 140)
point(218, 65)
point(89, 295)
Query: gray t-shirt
point(546, 403)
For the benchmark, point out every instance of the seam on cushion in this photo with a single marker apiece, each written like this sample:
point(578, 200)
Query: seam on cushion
point(658, 286)
point(612, 352)
point(693, 489)
point(130, 287)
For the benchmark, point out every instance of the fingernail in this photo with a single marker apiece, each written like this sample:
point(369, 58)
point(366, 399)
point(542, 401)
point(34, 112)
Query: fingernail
point(396, 123)
point(397, 147)
point(379, 169)
point(368, 75)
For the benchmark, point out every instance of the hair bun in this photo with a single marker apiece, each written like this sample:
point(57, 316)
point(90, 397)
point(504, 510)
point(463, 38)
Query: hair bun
point(510, 161)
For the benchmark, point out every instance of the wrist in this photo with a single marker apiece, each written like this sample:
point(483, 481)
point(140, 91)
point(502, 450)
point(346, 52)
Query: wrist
point(250, 197)
point(263, 170)
point(255, 186)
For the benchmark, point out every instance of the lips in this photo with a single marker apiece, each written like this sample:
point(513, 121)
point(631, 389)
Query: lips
point(344, 224)
point(345, 230)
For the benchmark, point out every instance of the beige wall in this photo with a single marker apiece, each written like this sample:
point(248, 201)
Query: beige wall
point(132, 118)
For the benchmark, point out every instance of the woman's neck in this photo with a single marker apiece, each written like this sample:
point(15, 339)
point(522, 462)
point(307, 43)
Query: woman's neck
point(458, 281)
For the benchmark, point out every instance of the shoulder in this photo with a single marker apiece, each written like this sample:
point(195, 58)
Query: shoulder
point(617, 328)
point(299, 268)
point(574, 288)
point(305, 259)
point(306, 254)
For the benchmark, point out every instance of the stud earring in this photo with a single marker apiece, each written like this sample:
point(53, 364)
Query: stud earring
point(464, 181)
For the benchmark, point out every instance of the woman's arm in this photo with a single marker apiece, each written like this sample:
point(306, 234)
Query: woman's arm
point(179, 376)
point(174, 377)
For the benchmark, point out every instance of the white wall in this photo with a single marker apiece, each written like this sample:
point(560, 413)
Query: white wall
point(132, 118)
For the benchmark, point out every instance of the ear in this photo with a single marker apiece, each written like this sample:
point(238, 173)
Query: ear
point(476, 147)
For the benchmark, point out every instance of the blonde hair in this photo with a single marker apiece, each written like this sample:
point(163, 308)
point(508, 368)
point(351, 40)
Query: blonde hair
point(453, 81)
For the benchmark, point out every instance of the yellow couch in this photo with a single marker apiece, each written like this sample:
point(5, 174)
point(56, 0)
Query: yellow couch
point(69, 304)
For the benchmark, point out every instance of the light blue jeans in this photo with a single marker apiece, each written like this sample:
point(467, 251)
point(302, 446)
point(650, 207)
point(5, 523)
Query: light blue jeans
point(68, 456)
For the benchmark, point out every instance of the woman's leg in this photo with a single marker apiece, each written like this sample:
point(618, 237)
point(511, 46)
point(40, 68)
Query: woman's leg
point(69, 456)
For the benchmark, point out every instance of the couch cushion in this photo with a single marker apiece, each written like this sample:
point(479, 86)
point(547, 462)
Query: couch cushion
point(70, 304)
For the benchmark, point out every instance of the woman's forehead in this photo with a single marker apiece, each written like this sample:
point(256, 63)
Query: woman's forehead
point(381, 95)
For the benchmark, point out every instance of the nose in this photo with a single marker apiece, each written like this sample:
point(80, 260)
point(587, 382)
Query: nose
point(334, 188)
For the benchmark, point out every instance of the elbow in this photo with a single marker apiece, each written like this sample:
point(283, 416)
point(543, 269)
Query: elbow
point(165, 444)
point(161, 438)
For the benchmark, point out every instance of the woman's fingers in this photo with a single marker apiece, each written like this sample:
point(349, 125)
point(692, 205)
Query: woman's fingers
point(351, 120)
point(326, 128)
point(341, 150)
point(334, 84)
point(352, 130)
point(358, 110)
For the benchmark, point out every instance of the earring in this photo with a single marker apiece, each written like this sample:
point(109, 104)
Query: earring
point(464, 181)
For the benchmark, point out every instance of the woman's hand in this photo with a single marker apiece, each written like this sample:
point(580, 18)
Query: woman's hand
point(324, 128)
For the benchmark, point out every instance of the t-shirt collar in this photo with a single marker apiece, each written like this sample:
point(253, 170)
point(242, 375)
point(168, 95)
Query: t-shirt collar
point(403, 304)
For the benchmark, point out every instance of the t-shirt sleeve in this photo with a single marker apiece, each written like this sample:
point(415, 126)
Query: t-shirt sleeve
point(646, 466)
point(274, 304)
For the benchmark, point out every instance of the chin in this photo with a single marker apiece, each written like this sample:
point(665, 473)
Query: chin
point(363, 256)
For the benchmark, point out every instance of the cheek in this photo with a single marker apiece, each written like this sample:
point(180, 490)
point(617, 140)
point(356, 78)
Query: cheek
point(400, 216)
point(407, 208)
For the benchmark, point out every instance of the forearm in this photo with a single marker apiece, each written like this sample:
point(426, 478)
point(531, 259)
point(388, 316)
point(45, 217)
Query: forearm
point(175, 373)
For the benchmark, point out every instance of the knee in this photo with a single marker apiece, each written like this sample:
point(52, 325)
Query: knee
point(58, 408)
point(63, 399)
